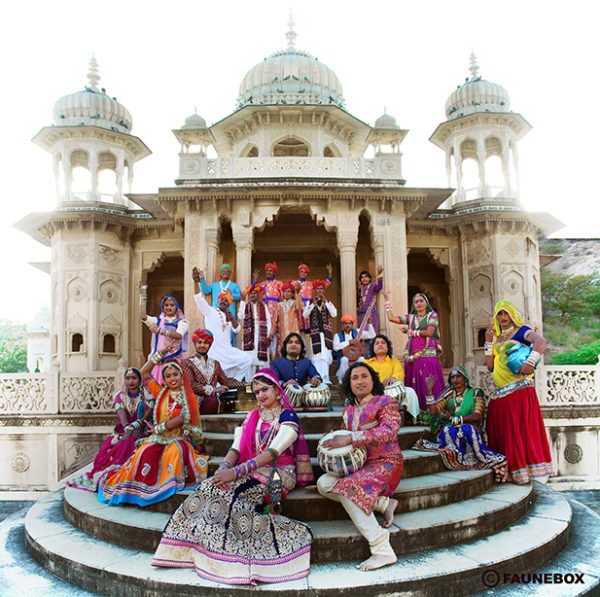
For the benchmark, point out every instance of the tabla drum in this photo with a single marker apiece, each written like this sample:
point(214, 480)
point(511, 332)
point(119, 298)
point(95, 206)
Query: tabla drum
point(246, 401)
point(317, 398)
point(296, 394)
point(396, 390)
point(340, 461)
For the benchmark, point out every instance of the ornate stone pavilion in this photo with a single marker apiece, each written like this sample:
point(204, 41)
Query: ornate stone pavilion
point(290, 175)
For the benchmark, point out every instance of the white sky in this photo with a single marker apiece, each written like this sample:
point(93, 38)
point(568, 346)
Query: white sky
point(163, 59)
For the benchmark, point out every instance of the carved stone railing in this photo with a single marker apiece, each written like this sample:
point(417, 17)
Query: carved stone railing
point(92, 392)
point(53, 393)
point(570, 385)
point(557, 385)
point(195, 167)
point(24, 393)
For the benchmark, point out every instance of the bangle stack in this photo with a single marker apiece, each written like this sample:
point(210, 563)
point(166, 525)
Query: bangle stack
point(160, 428)
point(157, 357)
point(387, 305)
point(533, 359)
point(241, 470)
point(135, 425)
point(429, 399)
point(488, 349)
point(456, 421)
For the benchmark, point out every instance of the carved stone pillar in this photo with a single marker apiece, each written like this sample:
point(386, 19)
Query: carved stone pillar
point(243, 239)
point(212, 244)
point(93, 190)
point(346, 242)
point(195, 253)
point(391, 229)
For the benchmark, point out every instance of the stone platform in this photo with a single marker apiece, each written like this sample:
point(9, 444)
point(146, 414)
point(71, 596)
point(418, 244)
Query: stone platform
point(454, 531)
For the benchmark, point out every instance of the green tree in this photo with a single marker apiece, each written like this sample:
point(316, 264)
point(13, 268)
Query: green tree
point(568, 296)
point(13, 347)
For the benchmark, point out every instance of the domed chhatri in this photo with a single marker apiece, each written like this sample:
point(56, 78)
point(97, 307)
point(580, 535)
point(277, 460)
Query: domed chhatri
point(386, 121)
point(92, 107)
point(290, 76)
point(476, 95)
point(194, 122)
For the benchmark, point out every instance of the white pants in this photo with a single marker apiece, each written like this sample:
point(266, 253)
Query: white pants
point(344, 366)
point(377, 537)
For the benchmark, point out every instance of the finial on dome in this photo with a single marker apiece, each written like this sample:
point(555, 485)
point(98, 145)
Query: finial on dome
point(291, 34)
point(474, 66)
point(93, 74)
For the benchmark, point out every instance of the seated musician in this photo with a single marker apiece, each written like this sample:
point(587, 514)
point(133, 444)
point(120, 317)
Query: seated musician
point(348, 336)
point(206, 375)
point(293, 367)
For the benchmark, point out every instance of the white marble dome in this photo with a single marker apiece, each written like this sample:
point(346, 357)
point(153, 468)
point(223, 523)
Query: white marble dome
point(290, 76)
point(386, 121)
point(92, 107)
point(194, 122)
point(476, 95)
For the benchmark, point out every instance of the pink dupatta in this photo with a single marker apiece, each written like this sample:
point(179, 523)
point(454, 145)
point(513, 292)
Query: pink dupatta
point(299, 451)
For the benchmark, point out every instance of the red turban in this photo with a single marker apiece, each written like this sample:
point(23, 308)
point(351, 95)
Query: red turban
point(273, 266)
point(317, 283)
point(347, 318)
point(304, 266)
point(253, 288)
point(206, 335)
point(288, 286)
point(226, 295)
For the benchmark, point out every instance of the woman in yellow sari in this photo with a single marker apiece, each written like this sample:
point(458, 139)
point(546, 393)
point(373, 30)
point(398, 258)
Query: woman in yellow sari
point(515, 426)
point(167, 461)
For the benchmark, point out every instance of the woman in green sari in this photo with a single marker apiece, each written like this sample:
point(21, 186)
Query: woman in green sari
point(456, 420)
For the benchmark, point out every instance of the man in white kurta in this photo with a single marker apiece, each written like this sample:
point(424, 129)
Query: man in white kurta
point(221, 323)
point(343, 338)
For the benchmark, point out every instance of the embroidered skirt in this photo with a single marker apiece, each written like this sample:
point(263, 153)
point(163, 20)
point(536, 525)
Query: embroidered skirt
point(223, 535)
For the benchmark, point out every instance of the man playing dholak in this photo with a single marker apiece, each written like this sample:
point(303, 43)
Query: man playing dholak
point(256, 322)
point(319, 314)
point(206, 375)
point(347, 336)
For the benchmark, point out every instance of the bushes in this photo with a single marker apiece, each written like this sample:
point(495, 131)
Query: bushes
point(586, 355)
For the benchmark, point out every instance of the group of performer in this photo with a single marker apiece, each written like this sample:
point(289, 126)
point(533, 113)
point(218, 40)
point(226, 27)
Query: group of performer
point(230, 528)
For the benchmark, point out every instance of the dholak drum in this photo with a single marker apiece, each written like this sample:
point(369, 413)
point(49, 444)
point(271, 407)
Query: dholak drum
point(317, 398)
point(227, 401)
point(295, 393)
point(340, 461)
point(396, 390)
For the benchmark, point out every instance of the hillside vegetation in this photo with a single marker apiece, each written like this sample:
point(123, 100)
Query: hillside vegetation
point(571, 302)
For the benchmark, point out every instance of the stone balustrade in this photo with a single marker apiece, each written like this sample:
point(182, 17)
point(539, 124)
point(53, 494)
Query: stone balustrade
point(196, 167)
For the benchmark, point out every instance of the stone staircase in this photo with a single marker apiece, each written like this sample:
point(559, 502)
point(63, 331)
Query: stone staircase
point(455, 532)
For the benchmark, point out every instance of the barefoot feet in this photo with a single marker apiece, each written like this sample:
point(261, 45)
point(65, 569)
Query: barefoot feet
point(375, 562)
point(388, 515)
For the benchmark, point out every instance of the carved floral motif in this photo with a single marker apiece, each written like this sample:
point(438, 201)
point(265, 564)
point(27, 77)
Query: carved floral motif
point(20, 462)
point(23, 393)
point(80, 394)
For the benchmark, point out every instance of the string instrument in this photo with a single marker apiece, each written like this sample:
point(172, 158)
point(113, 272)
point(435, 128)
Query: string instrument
point(355, 349)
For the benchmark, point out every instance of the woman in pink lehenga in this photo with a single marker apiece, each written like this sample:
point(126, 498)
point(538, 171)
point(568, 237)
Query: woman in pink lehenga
point(421, 354)
point(133, 404)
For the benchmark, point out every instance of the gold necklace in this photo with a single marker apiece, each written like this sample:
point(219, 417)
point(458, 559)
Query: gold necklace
point(270, 414)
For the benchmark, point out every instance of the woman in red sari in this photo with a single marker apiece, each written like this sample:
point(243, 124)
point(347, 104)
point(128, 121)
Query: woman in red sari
point(167, 461)
point(515, 426)
point(374, 422)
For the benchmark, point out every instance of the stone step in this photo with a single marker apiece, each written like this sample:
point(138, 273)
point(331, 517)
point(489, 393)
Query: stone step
point(334, 540)
point(218, 443)
point(425, 491)
point(457, 570)
point(312, 422)
point(415, 463)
